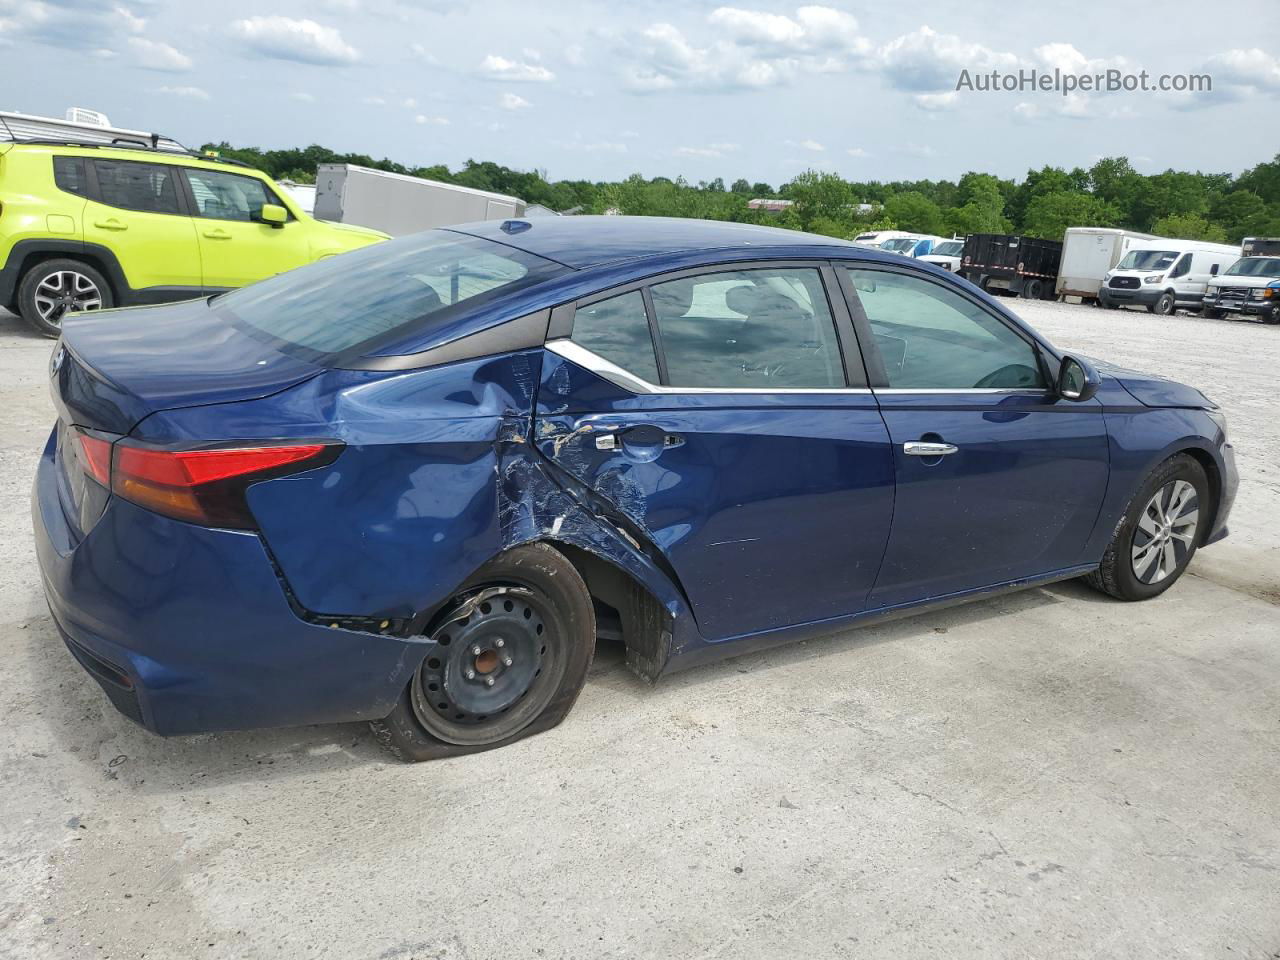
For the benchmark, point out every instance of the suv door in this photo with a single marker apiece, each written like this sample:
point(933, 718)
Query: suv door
point(997, 478)
point(137, 211)
point(712, 408)
point(235, 247)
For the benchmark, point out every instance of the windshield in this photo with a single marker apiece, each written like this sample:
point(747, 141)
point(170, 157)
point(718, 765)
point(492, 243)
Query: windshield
point(1255, 267)
point(951, 248)
point(1147, 260)
point(899, 244)
point(360, 300)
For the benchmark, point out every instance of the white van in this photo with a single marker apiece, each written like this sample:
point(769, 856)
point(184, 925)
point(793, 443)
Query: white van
point(1163, 275)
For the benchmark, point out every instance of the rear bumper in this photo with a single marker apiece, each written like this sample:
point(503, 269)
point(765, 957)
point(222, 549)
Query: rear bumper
point(189, 629)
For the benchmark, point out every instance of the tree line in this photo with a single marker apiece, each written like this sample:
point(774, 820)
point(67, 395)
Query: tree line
point(1194, 206)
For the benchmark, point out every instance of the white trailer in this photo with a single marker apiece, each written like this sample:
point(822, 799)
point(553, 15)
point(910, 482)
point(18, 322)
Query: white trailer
point(1087, 254)
point(399, 204)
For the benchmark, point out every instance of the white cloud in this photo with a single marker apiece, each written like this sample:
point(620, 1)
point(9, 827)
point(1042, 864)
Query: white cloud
point(603, 146)
point(423, 120)
point(190, 93)
point(936, 101)
point(408, 103)
point(300, 41)
point(857, 153)
point(511, 101)
point(374, 101)
point(155, 55)
point(1247, 68)
point(744, 49)
point(129, 20)
point(422, 53)
point(709, 151)
point(495, 67)
point(302, 97)
point(813, 146)
point(926, 61)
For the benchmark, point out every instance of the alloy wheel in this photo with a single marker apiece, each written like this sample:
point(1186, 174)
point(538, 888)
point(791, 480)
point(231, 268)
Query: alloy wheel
point(492, 666)
point(1166, 532)
point(66, 291)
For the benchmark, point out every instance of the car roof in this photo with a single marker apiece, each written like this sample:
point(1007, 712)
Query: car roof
point(138, 154)
point(582, 242)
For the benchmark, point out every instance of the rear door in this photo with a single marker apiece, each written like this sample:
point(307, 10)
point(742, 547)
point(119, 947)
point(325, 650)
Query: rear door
point(235, 248)
point(997, 478)
point(138, 212)
point(713, 410)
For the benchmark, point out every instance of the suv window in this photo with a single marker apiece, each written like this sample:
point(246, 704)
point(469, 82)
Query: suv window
point(68, 175)
point(227, 196)
point(618, 330)
point(933, 339)
point(148, 187)
point(768, 329)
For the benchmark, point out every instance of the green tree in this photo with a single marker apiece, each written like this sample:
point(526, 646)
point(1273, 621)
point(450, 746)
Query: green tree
point(915, 212)
point(1050, 214)
point(1241, 213)
point(1189, 226)
point(1264, 180)
point(818, 194)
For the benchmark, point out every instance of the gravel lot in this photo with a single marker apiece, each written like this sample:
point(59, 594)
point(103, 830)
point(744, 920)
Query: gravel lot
point(1046, 774)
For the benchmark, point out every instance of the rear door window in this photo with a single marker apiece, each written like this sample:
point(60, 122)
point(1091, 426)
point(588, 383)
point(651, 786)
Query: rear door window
point(146, 187)
point(757, 329)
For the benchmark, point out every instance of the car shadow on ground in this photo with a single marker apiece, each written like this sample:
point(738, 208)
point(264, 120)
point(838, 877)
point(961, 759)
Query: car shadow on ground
point(13, 325)
point(87, 727)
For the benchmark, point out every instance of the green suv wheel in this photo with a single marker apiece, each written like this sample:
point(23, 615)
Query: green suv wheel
point(54, 288)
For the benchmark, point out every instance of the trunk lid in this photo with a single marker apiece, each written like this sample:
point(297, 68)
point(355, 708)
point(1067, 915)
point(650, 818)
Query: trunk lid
point(113, 369)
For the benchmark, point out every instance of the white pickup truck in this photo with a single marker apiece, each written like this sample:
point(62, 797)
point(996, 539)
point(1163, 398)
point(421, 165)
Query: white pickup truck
point(1249, 287)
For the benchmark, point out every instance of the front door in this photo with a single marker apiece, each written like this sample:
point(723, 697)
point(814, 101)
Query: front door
point(235, 247)
point(997, 478)
point(713, 410)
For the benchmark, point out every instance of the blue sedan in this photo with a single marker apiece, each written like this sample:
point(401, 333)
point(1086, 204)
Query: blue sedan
point(415, 483)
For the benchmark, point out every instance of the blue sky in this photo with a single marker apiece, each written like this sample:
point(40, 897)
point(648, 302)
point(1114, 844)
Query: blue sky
point(599, 90)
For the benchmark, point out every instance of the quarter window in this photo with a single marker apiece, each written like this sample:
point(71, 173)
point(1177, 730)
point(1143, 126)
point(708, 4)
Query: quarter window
point(767, 329)
point(226, 196)
point(148, 187)
point(68, 175)
point(618, 330)
point(933, 339)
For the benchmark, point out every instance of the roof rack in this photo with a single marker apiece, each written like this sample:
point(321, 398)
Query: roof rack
point(25, 128)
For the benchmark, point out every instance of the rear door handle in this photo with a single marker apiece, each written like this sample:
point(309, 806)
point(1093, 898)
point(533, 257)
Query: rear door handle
point(920, 448)
point(112, 224)
point(217, 235)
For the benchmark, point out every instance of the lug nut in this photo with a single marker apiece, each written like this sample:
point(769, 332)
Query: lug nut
point(489, 682)
point(499, 642)
point(475, 651)
point(471, 674)
point(506, 661)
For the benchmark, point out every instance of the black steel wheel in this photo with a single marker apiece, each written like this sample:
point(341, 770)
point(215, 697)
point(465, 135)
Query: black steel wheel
point(1165, 305)
point(506, 659)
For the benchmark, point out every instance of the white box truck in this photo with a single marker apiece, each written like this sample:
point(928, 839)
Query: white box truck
point(1087, 254)
point(399, 204)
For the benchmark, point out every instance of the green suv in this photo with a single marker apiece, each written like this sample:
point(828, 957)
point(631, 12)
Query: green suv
point(89, 227)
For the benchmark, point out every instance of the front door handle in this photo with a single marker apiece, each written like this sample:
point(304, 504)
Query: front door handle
point(217, 235)
point(112, 224)
point(637, 437)
point(921, 448)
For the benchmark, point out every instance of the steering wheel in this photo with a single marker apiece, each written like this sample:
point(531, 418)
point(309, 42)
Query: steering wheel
point(1011, 375)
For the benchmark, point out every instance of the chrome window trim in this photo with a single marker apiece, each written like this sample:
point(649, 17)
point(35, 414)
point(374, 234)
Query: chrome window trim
point(1027, 391)
point(590, 360)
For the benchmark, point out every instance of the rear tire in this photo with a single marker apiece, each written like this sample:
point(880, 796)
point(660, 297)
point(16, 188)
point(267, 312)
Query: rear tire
point(1033, 289)
point(53, 288)
point(529, 614)
point(1159, 533)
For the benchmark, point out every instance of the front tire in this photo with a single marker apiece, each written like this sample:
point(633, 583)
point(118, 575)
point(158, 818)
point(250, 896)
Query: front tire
point(1165, 305)
point(507, 660)
point(1161, 529)
point(54, 288)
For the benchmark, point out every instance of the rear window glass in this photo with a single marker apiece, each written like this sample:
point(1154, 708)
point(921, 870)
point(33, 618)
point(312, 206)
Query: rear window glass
point(361, 300)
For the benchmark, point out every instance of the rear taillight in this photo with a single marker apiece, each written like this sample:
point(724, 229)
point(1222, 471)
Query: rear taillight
point(207, 486)
point(95, 457)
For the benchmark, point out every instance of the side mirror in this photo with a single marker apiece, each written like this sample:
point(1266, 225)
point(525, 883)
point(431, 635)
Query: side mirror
point(272, 214)
point(1077, 380)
